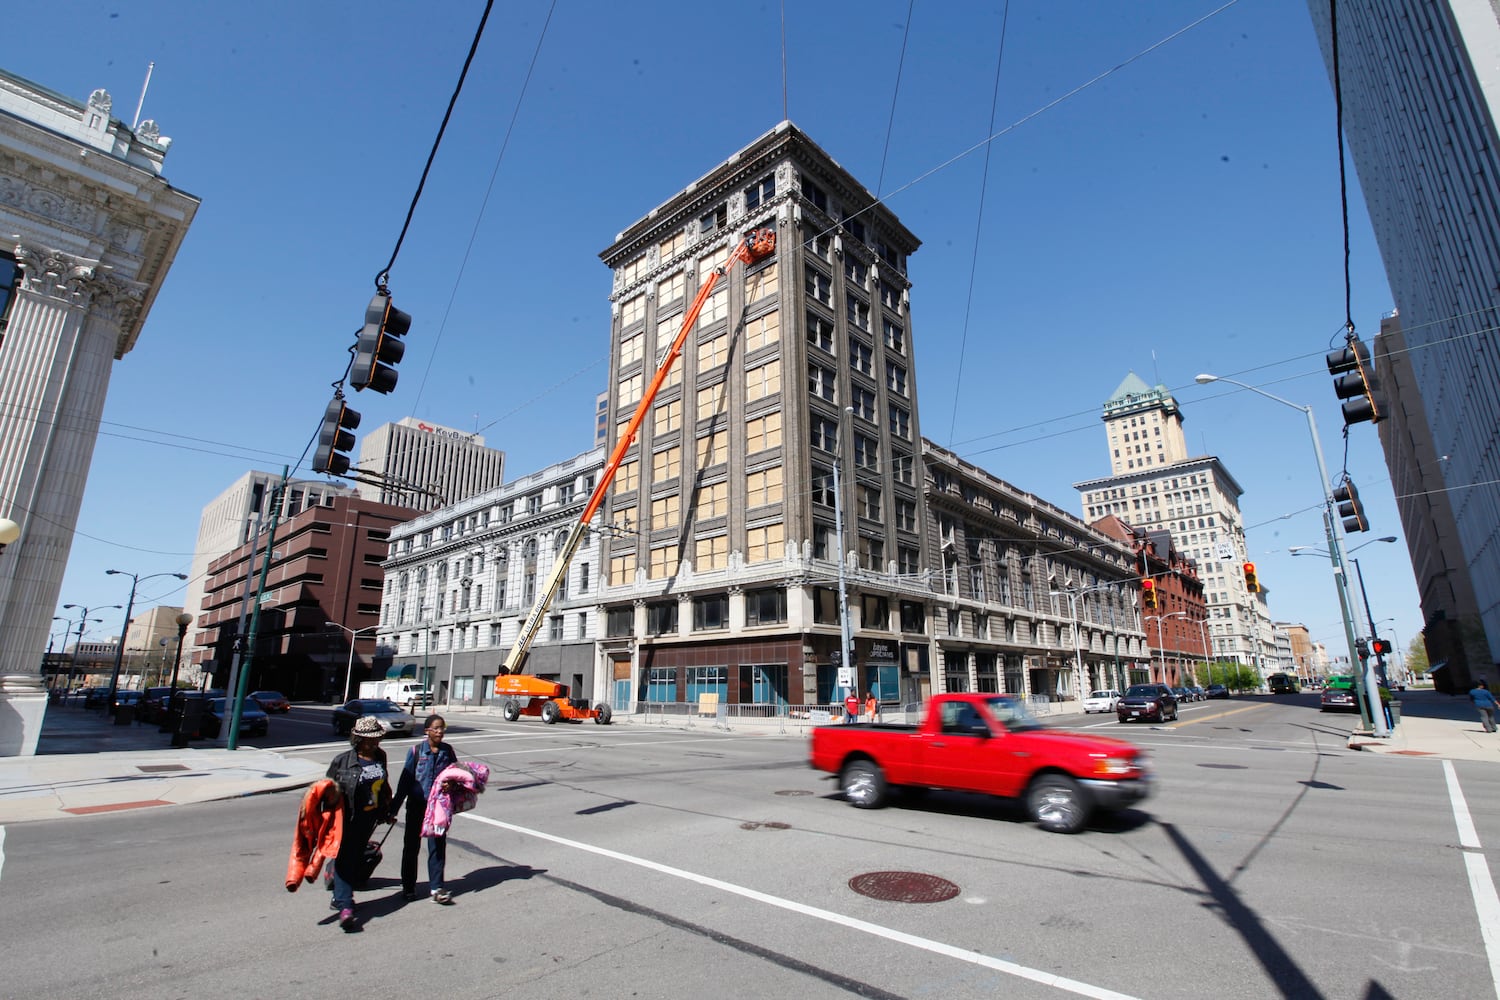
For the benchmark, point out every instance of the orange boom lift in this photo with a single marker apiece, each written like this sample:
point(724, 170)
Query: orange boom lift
point(529, 695)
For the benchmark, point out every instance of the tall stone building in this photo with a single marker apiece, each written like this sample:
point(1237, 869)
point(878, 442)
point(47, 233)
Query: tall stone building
point(1420, 88)
point(91, 228)
point(723, 558)
point(1155, 485)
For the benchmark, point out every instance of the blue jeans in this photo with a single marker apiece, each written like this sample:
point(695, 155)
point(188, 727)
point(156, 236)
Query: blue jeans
point(411, 847)
point(343, 892)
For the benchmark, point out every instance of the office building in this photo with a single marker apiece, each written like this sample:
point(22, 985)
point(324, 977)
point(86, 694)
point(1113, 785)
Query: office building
point(324, 567)
point(1419, 86)
point(722, 565)
point(1155, 485)
point(90, 229)
point(233, 518)
point(425, 466)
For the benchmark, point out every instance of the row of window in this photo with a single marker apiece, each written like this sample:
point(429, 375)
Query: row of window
point(763, 607)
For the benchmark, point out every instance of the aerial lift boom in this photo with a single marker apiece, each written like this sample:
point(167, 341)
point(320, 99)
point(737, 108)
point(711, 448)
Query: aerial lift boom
point(758, 245)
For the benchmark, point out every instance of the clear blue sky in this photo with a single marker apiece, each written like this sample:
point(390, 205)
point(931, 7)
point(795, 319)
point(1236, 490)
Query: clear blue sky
point(1179, 213)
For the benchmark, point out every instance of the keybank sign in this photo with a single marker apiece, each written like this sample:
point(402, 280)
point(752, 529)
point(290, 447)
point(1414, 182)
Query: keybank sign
point(447, 432)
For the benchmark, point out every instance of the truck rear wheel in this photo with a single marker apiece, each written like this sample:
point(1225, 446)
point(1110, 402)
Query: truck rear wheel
point(551, 713)
point(511, 711)
point(602, 715)
point(863, 784)
point(1058, 804)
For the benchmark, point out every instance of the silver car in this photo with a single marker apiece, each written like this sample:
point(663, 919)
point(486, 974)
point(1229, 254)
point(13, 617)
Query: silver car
point(395, 720)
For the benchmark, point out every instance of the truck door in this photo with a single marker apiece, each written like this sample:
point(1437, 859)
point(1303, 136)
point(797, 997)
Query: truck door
point(958, 754)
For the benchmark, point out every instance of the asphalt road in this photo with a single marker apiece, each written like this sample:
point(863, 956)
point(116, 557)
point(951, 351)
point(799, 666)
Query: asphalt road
point(651, 862)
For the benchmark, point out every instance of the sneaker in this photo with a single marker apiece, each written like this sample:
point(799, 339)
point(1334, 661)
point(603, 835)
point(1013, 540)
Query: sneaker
point(442, 896)
point(346, 919)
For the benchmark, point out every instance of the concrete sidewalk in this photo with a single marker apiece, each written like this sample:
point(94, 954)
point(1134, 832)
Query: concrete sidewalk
point(86, 764)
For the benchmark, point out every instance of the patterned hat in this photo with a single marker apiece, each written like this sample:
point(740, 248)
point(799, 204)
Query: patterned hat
point(368, 727)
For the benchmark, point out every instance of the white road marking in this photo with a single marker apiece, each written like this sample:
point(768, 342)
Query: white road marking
point(900, 937)
point(1481, 883)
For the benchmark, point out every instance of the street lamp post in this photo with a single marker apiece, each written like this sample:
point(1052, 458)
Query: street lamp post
point(183, 621)
point(1331, 526)
point(1161, 640)
point(1297, 550)
point(846, 657)
point(1077, 650)
point(135, 581)
point(83, 617)
point(353, 635)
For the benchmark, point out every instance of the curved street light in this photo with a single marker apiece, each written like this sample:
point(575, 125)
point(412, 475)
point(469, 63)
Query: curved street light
point(135, 581)
point(353, 635)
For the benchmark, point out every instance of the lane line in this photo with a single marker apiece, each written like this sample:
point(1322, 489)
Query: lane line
point(1481, 883)
point(890, 934)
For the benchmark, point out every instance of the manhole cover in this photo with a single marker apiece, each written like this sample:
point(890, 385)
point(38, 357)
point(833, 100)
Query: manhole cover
point(1226, 767)
point(903, 887)
point(794, 791)
point(156, 768)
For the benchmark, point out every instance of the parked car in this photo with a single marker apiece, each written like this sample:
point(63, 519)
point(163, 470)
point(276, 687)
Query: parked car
point(125, 698)
point(95, 697)
point(1216, 691)
point(1198, 693)
point(1153, 702)
point(153, 704)
point(216, 717)
point(1338, 699)
point(271, 702)
point(1100, 701)
point(1183, 695)
point(394, 719)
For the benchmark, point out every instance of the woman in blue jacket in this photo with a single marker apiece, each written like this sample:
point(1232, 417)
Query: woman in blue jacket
point(424, 762)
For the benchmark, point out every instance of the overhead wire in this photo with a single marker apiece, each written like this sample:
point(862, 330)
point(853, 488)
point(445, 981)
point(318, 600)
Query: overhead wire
point(463, 265)
point(385, 273)
point(984, 180)
point(890, 122)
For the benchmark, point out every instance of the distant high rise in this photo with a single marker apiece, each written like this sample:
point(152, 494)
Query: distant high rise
point(426, 466)
point(1420, 83)
point(1155, 485)
point(90, 229)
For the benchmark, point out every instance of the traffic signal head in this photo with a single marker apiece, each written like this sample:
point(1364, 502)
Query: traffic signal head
point(1252, 582)
point(1380, 647)
point(1350, 509)
point(335, 438)
point(380, 345)
point(1148, 592)
point(1361, 647)
point(1355, 382)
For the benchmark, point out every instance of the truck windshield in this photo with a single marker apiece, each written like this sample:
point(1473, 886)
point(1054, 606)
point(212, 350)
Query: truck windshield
point(1011, 712)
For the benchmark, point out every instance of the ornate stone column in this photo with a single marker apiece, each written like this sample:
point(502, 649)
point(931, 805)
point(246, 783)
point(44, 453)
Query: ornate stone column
point(55, 364)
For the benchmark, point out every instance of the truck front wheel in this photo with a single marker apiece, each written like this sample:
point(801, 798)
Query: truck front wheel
point(602, 715)
point(1058, 804)
point(864, 784)
point(551, 713)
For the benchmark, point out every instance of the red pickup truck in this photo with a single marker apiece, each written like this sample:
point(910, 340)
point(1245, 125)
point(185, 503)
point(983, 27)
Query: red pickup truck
point(986, 743)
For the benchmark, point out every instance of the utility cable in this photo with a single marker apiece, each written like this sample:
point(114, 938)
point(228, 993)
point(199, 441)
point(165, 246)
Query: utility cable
point(984, 181)
point(380, 279)
point(1338, 112)
point(890, 122)
point(483, 205)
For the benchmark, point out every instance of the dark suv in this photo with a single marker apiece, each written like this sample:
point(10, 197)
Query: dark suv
point(1153, 702)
